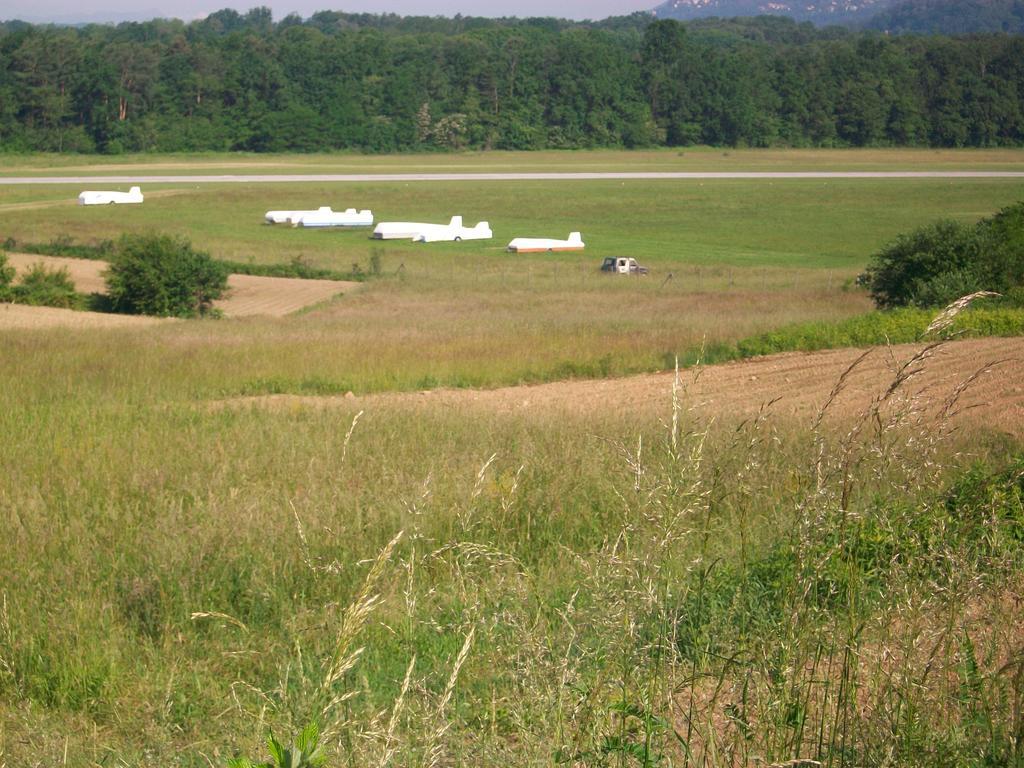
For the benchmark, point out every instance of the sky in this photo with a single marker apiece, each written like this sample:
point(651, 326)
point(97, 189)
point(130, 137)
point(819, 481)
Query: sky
point(65, 11)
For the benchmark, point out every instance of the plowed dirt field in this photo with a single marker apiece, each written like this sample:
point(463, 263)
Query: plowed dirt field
point(794, 384)
point(18, 316)
point(249, 295)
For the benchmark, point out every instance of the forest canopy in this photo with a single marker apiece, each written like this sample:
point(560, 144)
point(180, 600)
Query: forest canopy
point(387, 83)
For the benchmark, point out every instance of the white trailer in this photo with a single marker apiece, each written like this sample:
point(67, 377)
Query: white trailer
point(132, 196)
point(544, 244)
point(325, 217)
point(283, 217)
point(422, 232)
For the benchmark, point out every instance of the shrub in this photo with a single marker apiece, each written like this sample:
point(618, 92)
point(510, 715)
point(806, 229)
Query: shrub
point(1002, 244)
point(42, 287)
point(297, 267)
point(163, 275)
point(6, 276)
point(917, 268)
point(64, 245)
point(941, 262)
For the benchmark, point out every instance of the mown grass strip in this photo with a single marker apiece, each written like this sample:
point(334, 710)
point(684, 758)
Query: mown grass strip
point(898, 326)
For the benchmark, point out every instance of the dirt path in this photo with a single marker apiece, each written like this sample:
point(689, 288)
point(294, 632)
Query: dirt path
point(249, 295)
point(801, 383)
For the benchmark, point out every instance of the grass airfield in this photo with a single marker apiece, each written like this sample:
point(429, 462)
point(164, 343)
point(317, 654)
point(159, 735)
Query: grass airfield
point(688, 159)
point(715, 591)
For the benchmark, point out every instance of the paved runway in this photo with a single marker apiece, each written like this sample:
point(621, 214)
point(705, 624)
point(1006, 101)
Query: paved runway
point(412, 177)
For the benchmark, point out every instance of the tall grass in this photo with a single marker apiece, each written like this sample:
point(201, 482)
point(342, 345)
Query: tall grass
point(568, 589)
point(580, 591)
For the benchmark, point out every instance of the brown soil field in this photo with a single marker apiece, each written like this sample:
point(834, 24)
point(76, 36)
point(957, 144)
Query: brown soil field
point(249, 295)
point(277, 296)
point(20, 317)
point(793, 384)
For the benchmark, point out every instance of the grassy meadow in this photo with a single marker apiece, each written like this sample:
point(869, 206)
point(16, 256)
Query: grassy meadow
point(449, 587)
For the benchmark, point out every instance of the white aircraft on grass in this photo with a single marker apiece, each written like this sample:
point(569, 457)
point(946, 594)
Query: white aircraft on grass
point(539, 244)
point(421, 232)
point(325, 217)
point(134, 195)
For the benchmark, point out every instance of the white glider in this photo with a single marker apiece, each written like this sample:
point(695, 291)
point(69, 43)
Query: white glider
point(134, 195)
point(325, 217)
point(539, 244)
point(283, 217)
point(422, 232)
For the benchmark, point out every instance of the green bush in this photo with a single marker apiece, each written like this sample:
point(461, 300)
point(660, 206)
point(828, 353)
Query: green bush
point(42, 287)
point(163, 275)
point(1002, 244)
point(6, 276)
point(918, 268)
point(941, 262)
point(894, 326)
point(297, 267)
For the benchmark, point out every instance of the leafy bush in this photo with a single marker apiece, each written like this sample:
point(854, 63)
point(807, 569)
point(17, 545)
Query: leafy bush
point(939, 263)
point(297, 267)
point(42, 287)
point(1002, 243)
point(163, 275)
point(64, 245)
point(6, 276)
point(917, 268)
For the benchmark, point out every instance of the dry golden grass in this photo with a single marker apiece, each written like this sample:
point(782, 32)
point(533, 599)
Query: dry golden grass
point(15, 317)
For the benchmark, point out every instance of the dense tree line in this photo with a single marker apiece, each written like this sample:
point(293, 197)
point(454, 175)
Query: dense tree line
point(386, 83)
point(951, 17)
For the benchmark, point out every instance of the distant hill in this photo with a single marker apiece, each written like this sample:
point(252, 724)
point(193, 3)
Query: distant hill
point(951, 17)
point(924, 17)
point(818, 11)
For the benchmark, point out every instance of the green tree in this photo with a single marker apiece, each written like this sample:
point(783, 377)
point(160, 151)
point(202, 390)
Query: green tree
point(339, 80)
point(163, 275)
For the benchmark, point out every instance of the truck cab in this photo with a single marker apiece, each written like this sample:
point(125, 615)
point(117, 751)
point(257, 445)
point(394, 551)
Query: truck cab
point(622, 265)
